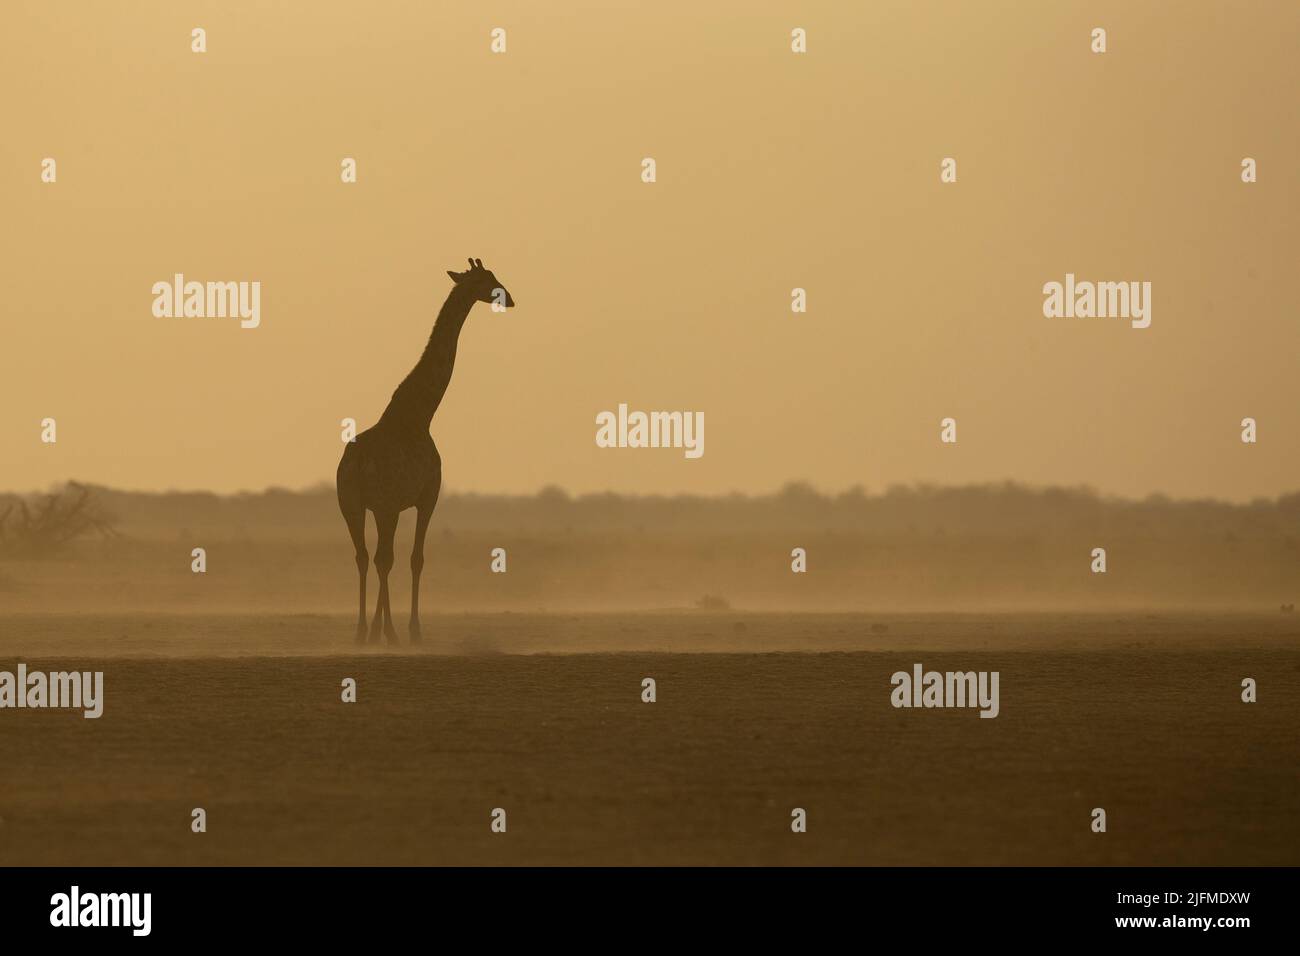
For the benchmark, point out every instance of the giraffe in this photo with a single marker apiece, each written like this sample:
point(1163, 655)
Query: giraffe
point(395, 465)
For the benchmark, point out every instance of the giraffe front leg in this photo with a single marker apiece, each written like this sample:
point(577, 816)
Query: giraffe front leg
point(377, 622)
point(387, 525)
point(422, 516)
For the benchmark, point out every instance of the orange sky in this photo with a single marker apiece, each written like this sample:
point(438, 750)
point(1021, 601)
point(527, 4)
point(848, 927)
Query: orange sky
point(775, 170)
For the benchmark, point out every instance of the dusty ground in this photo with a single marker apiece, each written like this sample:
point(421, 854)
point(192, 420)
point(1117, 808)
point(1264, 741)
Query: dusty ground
point(542, 716)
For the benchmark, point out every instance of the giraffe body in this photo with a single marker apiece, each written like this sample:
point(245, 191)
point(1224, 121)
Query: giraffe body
point(395, 465)
point(385, 473)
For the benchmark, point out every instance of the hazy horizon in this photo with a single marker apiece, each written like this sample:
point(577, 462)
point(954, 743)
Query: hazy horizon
point(799, 485)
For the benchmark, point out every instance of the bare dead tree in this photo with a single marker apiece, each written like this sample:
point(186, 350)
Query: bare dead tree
point(52, 522)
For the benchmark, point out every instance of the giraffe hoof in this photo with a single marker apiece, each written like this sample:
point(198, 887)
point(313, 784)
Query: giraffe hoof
point(361, 634)
point(415, 635)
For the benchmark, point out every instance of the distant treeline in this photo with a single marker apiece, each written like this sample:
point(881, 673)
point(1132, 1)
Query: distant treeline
point(996, 510)
point(1000, 547)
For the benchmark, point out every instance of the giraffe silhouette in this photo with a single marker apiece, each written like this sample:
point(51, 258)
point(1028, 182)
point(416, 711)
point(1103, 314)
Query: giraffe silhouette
point(395, 465)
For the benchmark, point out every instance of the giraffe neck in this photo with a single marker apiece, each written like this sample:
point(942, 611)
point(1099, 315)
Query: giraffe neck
point(421, 392)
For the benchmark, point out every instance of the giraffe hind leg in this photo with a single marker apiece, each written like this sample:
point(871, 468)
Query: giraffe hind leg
point(387, 525)
point(353, 508)
point(357, 528)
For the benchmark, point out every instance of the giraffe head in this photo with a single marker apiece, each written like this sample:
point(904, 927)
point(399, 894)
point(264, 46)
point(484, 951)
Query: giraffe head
point(483, 284)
